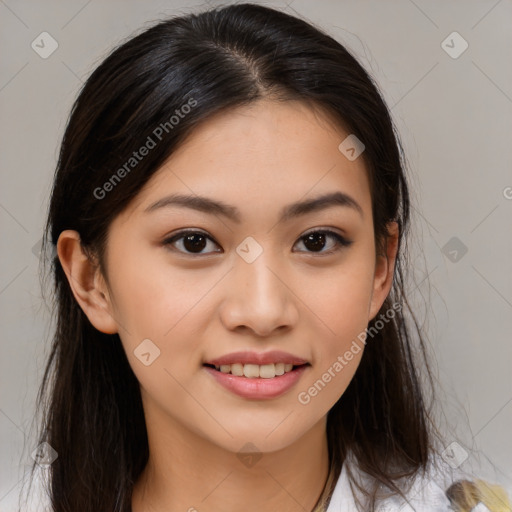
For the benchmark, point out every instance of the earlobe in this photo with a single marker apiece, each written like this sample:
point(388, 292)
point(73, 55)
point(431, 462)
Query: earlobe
point(86, 282)
point(384, 269)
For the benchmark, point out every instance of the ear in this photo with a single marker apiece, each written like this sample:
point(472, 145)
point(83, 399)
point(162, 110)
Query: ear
point(86, 282)
point(384, 269)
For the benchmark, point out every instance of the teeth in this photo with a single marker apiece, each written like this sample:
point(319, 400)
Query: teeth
point(267, 371)
point(252, 371)
point(236, 369)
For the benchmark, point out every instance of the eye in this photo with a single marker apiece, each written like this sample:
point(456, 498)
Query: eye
point(195, 242)
point(190, 241)
point(315, 241)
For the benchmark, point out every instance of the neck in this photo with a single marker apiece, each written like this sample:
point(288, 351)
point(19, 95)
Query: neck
point(186, 472)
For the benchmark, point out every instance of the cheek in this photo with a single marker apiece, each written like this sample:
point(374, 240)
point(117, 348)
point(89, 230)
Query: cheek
point(342, 298)
point(341, 305)
point(152, 297)
point(172, 309)
point(157, 309)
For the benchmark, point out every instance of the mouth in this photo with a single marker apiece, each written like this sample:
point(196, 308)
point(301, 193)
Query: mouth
point(255, 371)
point(257, 376)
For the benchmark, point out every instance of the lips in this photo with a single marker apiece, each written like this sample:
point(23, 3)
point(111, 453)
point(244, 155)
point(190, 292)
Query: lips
point(258, 388)
point(257, 358)
point(256, 375)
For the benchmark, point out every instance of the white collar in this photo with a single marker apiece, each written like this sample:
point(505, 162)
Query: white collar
point(342, 499)
point(426, 495)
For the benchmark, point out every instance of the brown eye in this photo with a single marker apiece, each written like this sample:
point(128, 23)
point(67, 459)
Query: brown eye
point(195, 242)
point(191, 242)
point(316, 241)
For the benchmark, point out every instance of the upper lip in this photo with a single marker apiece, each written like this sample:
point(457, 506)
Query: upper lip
point(259, 358)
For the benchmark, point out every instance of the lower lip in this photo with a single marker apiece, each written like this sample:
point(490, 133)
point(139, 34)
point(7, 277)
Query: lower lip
point(257, 388)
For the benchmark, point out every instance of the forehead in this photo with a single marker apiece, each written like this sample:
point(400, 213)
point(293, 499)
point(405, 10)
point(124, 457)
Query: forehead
point(266, 154)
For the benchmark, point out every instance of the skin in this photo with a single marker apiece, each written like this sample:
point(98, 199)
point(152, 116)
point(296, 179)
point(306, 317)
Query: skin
point(196, 307)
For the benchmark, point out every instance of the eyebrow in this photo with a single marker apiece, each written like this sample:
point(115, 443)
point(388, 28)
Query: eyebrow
point(214, 207)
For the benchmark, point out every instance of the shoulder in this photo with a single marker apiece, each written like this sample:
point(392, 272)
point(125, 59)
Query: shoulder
point(426, 492)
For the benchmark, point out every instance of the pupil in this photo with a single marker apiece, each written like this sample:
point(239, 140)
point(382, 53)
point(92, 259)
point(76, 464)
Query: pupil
point(194, 246)
point(317, 241)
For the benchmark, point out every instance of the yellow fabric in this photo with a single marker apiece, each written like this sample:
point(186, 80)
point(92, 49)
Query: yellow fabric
point(466, 495)
point(493, 497)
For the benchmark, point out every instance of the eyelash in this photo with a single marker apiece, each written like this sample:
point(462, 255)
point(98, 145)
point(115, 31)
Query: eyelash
point(340, 241)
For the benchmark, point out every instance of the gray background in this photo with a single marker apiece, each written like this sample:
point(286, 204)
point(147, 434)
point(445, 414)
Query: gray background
point(455, 119)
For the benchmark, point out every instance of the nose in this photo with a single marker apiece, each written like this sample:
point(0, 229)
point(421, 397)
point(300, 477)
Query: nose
point(261, 298)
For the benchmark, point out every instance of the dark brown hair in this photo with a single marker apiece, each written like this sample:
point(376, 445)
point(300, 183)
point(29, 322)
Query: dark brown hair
point(221, 59)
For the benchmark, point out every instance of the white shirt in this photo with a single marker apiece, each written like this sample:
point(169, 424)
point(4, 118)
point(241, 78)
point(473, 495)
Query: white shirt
point(427, 494)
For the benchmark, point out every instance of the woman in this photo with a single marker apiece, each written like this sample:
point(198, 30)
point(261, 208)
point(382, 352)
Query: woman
point(229, 213)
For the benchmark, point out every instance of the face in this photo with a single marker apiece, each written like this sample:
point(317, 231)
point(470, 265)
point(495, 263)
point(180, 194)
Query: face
point(265, 262)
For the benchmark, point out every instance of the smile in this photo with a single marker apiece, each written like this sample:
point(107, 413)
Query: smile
point(257, 382)
point(253, 371)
